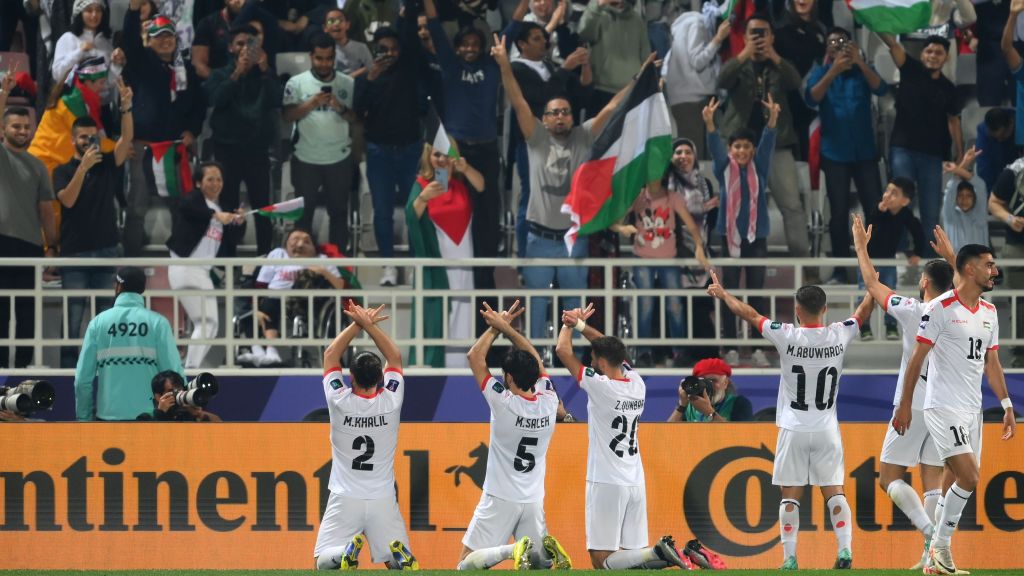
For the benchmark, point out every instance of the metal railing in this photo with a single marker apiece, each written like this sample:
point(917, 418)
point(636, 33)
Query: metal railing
point(50, 302)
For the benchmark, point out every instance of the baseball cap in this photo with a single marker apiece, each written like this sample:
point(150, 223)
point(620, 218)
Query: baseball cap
point(711, 366)
point(160, 24)
point(133, 279)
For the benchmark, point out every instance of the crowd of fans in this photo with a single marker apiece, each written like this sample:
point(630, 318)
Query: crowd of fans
point(118, 91)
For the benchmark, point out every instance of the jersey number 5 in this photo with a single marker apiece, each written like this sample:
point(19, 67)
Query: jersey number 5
point(361, 462)
point(622, 424)
point(524, 461)
point(819, 395)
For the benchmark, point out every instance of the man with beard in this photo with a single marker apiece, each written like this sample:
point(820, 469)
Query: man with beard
point(25, 207)
point(959, 336)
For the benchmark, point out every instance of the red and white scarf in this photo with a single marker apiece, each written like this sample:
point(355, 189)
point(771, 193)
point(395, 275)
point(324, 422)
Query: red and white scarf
point(732, 207)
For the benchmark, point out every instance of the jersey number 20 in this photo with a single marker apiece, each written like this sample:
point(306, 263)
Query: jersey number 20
point(622, 424)
point(819, 395)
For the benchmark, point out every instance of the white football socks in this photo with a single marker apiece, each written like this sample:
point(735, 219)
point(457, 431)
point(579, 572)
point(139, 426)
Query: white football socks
point(939, 503)
point(486, 557)
point(905, 498)
point(953, 507)
point(839, 511)
point(931, 500)
point(628, 559)
point(789, 525)
point(330, 559)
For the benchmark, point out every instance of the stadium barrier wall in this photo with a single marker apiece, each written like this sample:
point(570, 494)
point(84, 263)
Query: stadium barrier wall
point(249, 496)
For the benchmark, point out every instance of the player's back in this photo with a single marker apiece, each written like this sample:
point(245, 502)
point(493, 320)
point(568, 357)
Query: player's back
point(614, 407)
point(521, 429)
point(907, 312)
point(811, 360)
point(364, 435)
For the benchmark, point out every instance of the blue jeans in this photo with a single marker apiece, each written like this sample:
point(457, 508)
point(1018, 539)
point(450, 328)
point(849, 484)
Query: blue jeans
point(667, 277)
point(391, 171)
point(887, 276)
point(542, 277)
point(85, 278)
point(926, 171)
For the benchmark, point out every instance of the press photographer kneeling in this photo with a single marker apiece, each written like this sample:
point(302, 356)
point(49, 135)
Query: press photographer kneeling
point(709, 395)
point(176, 402)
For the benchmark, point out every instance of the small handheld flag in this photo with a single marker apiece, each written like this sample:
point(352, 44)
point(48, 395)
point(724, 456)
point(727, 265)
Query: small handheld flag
point(443, 144)
point(287, 210)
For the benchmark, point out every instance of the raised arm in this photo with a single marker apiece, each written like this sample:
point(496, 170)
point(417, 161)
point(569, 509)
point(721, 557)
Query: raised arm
point(336, 349)
point(1013, 59)
point(524, 115)
point(565, 352)
point(502, 322)
point(863, 311)
point(997, 382)
point(861, 237)
point(602, 117)
point(367, 318)
point(899, 55)
point(741, 309)
point(124, 143)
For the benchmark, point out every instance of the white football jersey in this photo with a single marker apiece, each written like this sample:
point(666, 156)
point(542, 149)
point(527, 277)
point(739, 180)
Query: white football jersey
point(907, 312)
point(521, 430)
point(613, 416)
point(812, 362)
point(364, 435)
point(960, 337)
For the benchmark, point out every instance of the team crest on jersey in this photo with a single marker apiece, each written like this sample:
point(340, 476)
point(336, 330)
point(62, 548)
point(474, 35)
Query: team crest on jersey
point(987, 325)
point(392, 384)
point(498, 387)
point(924, 321)
point(849, 322)
point(775, 325)
point(337, 384)
point(895, 301)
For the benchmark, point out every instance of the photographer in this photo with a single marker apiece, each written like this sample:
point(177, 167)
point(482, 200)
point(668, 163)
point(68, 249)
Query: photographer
point(723, 404)
point(166, 385)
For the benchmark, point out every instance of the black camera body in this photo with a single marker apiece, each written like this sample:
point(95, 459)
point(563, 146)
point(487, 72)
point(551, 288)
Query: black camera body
point(696, 386)
point(198, 391)
point(28, 397)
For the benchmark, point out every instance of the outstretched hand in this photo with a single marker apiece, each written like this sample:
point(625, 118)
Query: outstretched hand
point(571, 317)
point(708, 113)
point(498, 51)
point(773, 110)
point(364, 317)
point(861, 237)
point(942, 245)
point(501, 321)
point(716, 289)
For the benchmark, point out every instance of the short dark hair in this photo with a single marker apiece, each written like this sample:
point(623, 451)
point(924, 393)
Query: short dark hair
point(743, 133)
point(939, 274)
point(133, 279)
point(970, 252)
point(335, 9)
point(610, 348)
point(200, 171)
point(386, 32)
point(966, 185)
point(320, 40)
point(242, 29)
point(906, 186)
point(466, 32)
point(16, 111)
point(840, 31)
point(936, 39)
point(157, 383)
point(83, 122)
point(367, 370)
point(557, 96)
point(524, 32)
point(998, 118)
point(812, 299)
point(522, 367)
point(758, 16)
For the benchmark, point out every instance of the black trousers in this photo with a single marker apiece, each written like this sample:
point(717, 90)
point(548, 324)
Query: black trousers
point(754, 280)
point(17, 278)
point(486, 217)
point(333, 184)
point(838, 176)
point(252, 166)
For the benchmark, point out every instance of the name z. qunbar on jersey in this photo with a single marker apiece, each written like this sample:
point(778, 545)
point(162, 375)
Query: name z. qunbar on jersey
point(364, 435)
point(812, 362)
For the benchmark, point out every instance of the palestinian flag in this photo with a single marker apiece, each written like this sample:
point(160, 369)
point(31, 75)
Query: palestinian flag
point(727, 8)
point(287, 210)
point(167, 170)
point(814, 153)
point(443, 144)
point(891, 16)
point(633, 149)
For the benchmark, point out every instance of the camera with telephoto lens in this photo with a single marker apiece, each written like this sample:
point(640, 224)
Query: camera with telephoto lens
point(28, 397)
point(198, 391)
point(696, 386)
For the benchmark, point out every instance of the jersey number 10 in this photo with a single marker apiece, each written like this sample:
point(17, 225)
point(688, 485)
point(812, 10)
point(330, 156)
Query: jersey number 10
point(819, 396)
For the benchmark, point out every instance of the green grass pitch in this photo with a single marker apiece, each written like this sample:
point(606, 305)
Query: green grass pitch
point(453, 572)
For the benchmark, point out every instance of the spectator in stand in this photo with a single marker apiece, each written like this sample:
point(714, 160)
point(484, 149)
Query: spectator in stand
point(185, 15)
point(691, 69)
point(552, 18)
point(965, 205)
point(726, 405)
point(1016, 65)
point(169, 105)
point(387, 103)
point(892, 219)
point(1006, 203)
point(89, 36)
point(995, 144)
point(298, 244)
point(617, 35)
point(26, 206)
point(556, 149)
point(80, 97)
point(756, 72)
point(439, 216)
point(743, 223)
point(53, 19)
point(245, 96)
point(654, 214)
point(995, 84)
point(352, 57)
point(471, 78)
point(211, 47)
point(841, 90)
point(927, 121)
point(86, 188)
point(200, 227)
point(800, 41)
point(21, 12)
point(540, 80)
point(320, 103)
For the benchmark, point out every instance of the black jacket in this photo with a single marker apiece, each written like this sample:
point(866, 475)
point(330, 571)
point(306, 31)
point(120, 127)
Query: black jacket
point(191, 220)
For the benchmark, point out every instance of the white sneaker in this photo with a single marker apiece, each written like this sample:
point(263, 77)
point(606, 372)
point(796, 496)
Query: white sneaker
point(759, 360)
point(732, 358)
point(250, 358)
point(942, 560)
point(389, 277)
point(271, 358)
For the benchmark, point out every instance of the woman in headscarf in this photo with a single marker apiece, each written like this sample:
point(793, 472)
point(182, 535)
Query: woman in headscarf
point(89, 36)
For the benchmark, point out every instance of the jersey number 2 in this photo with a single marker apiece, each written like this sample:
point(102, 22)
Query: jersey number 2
point(360, 462)
point(973, 350)
point(524, 461)
point(819, 395)
point(622, 424)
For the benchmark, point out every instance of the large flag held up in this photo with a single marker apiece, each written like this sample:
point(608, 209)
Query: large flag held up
point(891, 16)
point(634, 149)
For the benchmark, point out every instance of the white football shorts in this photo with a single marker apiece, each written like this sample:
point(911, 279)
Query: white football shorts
point(379, 520)
point(814, 458)
point(616, 517)
point(914, 447)
point(953, 432)
point(495, 521)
